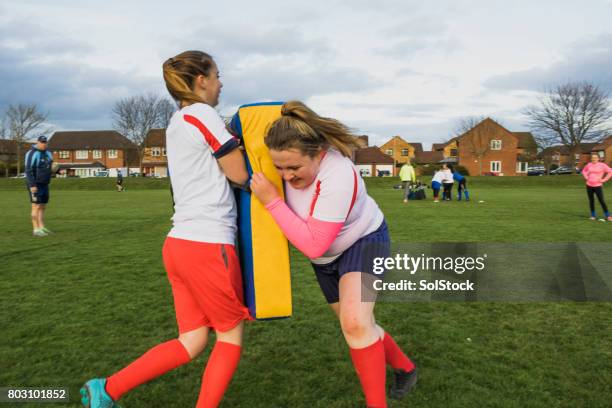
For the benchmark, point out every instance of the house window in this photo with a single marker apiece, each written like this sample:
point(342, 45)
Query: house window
point(82, 154)
point(82, 172)
point(577, 156)
point(404, 152)
point(97, 154)
point(156, 151)
point(164, 151)
point(389, 152)
point(496, 144)
point(601, 154)
point(556, 157)
point(496, 166)
point(453, 152)
point(64, 154)
point(521, 167)
point(112, 153)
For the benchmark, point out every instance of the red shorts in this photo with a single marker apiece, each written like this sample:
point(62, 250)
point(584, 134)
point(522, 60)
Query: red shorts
point(206, 284)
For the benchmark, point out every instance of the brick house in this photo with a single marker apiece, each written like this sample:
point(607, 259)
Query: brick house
point(372, 162)
point(400, 151)
point(486, 148)
point(428, 157)
point(85, 153)
point(560, 155)
point(154, 159)
point(604, 150)
point(491, 148)
point(448, 150)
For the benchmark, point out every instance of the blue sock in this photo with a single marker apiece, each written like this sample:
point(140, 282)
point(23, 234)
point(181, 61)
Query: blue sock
point(593, 214)
point(467, 195)
point(607, 214)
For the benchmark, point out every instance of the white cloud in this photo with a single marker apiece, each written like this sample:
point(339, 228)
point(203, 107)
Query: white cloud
point(587, 60)
point(389, 67)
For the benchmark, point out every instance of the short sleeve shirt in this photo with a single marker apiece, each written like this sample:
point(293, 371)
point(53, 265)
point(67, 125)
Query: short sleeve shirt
point(205, 207)
point(338, 194)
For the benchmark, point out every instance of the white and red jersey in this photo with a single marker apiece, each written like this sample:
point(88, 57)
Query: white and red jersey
point(204, 204)
point(338, 194)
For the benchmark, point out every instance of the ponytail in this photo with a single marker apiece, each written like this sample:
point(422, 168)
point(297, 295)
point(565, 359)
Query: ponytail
point(301, 128)
point(180, 73)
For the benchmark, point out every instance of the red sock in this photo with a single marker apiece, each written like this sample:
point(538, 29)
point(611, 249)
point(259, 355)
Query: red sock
point(394, 355)
point(219, 371)
point(155, 362)
point(369, 363)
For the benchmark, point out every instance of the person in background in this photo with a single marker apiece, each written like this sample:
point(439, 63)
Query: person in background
point(596, 173)
point(408, 177)
point(436, 184)
point(461, 183)
point(447, 182)
point(119, 181)
point(38, 163)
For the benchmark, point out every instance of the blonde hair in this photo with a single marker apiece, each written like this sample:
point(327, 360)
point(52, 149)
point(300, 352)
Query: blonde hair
point(301, 128)
point(181, 71)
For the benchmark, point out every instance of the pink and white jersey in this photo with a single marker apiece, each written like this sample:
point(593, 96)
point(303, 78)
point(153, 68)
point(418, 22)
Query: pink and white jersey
point(338, 194)
point(204, 204)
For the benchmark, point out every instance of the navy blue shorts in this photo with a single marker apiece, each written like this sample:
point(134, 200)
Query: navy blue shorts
point(41, 196)
point(358, 258)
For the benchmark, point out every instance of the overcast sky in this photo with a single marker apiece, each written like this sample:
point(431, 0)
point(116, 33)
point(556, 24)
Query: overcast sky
point(385, 67)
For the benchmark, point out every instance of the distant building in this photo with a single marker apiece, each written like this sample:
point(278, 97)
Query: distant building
point(486, 148)
point(604, 150)
point(371, 162)
point(429, 157)
point(155, 160)
point(400, 151)
point(86, 153)
point(560, 155)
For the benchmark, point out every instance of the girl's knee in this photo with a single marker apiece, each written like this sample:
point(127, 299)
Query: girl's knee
point(194, 342)
point(353, 326)
point(233, 335)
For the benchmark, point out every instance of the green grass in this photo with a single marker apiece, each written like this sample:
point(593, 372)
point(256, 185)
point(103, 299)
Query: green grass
point(92, 297)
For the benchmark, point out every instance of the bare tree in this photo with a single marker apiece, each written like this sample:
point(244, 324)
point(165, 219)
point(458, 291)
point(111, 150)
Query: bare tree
point(7, 155)
point(135, 116)
point(24, 122)
point(167, 109)
point(465, 124)
point(570, 114)
point(3, 128)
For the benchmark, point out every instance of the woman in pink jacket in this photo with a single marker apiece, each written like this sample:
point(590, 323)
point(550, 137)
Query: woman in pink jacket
point(596, 173)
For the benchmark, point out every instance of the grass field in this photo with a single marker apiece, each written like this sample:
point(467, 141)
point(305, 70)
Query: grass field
point(90, 298)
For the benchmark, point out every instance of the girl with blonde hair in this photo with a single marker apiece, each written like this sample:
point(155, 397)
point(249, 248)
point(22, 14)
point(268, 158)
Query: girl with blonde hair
point(199, 254)
point(329, 216)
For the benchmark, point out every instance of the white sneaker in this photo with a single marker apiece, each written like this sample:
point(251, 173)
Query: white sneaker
point(39, 233)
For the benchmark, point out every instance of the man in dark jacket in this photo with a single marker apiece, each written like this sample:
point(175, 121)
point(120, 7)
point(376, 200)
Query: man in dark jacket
point(38, 162)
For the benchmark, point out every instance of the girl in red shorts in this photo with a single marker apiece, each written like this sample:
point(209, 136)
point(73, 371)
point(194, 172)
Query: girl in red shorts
point(199, 254)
